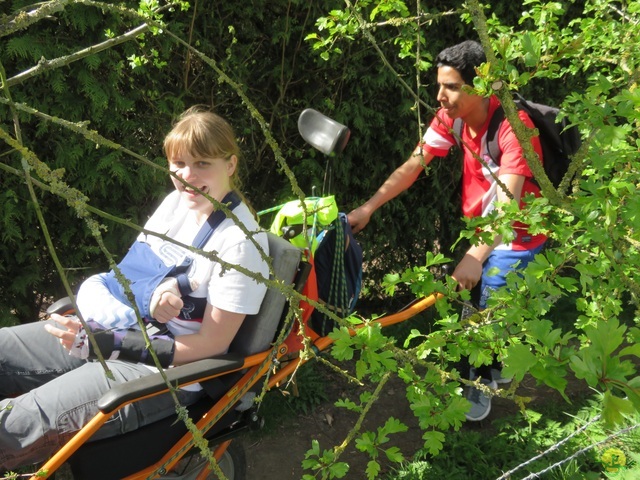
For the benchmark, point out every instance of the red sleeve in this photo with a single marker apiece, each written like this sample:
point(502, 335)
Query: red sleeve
point(512, 160)
point(438, 139)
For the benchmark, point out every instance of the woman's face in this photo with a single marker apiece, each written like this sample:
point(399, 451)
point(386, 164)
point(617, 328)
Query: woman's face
point(210, 175)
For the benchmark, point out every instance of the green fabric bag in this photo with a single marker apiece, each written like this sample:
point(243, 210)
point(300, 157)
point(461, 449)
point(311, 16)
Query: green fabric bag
point(289, 222)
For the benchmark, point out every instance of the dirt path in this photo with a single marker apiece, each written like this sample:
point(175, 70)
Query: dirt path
point(278, 454)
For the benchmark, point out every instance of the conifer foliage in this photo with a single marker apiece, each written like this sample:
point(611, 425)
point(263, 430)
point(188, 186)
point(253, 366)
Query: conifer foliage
point(89, 88)
point(104, 69)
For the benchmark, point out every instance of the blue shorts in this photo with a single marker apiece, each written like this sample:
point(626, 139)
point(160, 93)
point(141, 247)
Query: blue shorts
point(504, 260)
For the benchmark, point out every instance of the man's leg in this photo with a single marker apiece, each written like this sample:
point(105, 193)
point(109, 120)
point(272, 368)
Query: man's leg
point(504, 261)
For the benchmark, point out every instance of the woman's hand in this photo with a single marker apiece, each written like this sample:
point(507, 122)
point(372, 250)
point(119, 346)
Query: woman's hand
point(68, 334)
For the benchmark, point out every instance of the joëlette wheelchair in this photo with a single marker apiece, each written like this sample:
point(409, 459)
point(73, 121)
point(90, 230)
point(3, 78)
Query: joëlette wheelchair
point(153, 451)
point(166, 449)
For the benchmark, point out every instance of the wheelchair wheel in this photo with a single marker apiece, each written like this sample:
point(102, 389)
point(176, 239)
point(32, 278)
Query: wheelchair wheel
point(233, 464)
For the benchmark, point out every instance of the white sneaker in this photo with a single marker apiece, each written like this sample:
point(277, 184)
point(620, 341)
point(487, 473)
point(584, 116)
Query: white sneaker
point(480, 402)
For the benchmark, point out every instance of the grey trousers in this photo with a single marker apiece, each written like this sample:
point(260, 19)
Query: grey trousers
point(48, 396)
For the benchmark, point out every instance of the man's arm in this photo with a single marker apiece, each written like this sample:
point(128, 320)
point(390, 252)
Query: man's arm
point(399, 181)
point(469, 270)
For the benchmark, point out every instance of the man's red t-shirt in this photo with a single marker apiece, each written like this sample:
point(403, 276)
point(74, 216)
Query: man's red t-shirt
point(479, 188)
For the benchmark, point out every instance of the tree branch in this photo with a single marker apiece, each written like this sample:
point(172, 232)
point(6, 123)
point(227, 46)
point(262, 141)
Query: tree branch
point(45, 65)
point(23, 19)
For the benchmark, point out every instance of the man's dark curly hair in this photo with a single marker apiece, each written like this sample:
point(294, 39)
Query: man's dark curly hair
point(464, 57)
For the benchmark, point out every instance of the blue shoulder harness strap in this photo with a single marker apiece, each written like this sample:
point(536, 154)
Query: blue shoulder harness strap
point(231, 200)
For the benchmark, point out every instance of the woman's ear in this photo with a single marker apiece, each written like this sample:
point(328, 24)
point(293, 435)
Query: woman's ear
point(232, 163)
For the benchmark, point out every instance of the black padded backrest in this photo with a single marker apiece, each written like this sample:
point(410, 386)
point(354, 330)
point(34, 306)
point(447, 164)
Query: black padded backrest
point(258, 331)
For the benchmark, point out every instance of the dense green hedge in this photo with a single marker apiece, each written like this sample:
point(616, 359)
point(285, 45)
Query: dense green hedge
point(261, 45)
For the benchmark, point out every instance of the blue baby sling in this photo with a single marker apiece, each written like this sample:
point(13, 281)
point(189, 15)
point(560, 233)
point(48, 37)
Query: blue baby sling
point(145, 270)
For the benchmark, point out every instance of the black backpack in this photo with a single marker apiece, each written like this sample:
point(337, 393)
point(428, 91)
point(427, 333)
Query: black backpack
point(559, 140)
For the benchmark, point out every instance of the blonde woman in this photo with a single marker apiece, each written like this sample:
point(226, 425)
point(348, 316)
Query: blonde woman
point(47, 378)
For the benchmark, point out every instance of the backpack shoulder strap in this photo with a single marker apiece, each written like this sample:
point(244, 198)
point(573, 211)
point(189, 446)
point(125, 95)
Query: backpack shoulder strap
point(457, 128)
point(493, 148)
point(215, 219)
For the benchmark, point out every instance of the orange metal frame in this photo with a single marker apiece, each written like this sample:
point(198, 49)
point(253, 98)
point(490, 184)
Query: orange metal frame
point(258, 365)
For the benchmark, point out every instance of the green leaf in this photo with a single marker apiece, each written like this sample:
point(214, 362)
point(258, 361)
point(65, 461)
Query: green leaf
point(615, 408)
point(531, 50)
point(454, 413)
point(343, 344)
point(373, 469)
point(606, 337)
point(394, 455)
point(493, 271)
point(553, 377)
point(393, 425)
point(433, 441)
point(633, 392)
point(349, 405)
point(413, 334)
point(315, 449)
point(541, 331)
point(366, 443)
point(631, 350)
point(584, 368)
point(310, 464)
point(339, 469)
point(538, 268)
point(518, 361)
point(567, 283)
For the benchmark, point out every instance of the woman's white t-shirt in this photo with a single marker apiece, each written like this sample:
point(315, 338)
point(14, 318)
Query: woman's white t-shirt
point(217, 281)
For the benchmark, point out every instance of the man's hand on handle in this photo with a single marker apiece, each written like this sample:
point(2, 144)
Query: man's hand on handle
point(359, 218)
point(468, 272)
